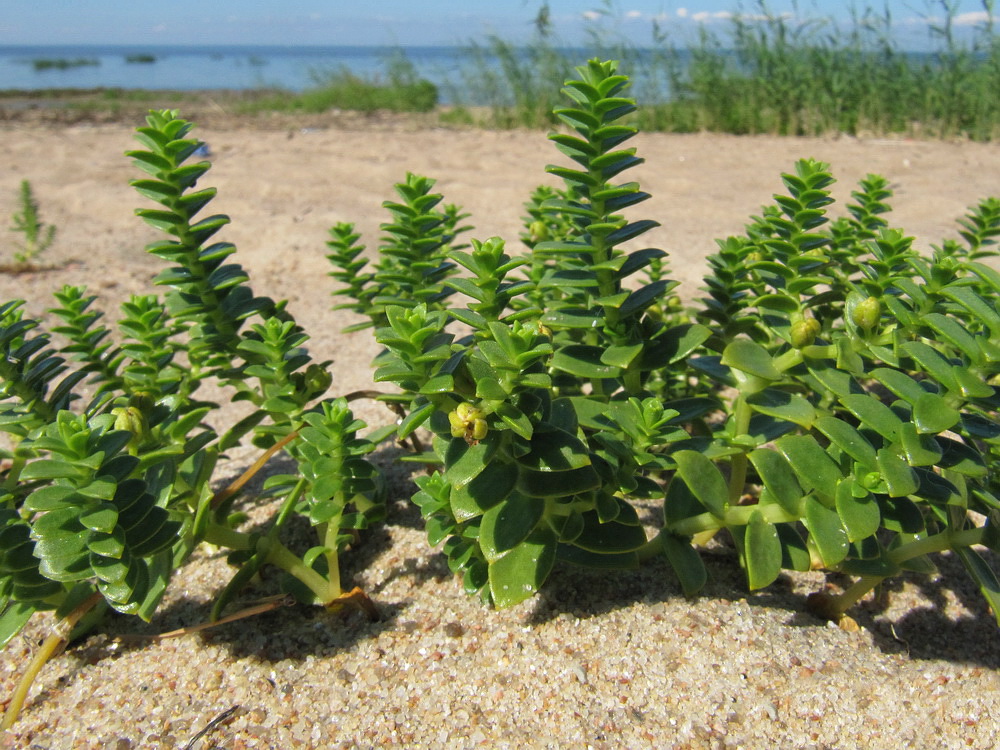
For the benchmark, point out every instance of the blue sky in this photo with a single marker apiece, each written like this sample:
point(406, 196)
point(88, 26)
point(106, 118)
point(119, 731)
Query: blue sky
point(404, 22)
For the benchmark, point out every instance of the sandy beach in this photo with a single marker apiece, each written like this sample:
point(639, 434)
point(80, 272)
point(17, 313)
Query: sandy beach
point(594, 660)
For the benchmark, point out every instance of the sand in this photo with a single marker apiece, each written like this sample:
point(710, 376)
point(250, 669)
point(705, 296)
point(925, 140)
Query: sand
point(593, 661)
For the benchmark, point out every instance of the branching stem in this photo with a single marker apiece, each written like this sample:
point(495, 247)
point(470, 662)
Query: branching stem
point(52, 643)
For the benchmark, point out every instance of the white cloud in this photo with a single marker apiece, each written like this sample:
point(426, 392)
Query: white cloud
point(682, 12)
point(962, 19)
point(704, 16)
point(633, 14)
point(971, 19)
point(591, 15)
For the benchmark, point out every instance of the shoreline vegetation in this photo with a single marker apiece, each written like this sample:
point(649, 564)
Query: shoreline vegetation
point(769, 74)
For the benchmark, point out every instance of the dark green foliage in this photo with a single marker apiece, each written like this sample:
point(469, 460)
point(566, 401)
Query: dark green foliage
point(532, 467)
point(28, 367)
point(879, 374)
point(411, 267)
point(112, 498)
point(849, 379)
point(209, 295)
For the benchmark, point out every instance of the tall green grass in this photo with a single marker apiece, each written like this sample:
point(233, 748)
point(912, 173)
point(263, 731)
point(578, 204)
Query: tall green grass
point(768, 74)
point(402, 90)
point(810, 78)
point(506, 84)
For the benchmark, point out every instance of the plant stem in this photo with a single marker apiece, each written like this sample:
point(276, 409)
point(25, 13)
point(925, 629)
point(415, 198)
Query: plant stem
point(838, 605)
point(57, 638)
point(330, 534)
point(738, 465)
point(936, 543)
point(325, 590)
point(736, 515)
point(223, 536)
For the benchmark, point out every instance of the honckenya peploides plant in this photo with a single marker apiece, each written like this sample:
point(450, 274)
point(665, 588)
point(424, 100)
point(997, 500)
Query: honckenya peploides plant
point(829, 402)
point(36, 235)
point(109, 463)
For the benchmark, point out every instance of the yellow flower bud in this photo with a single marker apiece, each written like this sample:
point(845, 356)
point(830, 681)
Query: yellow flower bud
point(477, 430)
point(468, 422)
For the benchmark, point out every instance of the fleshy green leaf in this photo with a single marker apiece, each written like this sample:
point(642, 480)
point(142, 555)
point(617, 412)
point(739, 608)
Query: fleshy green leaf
point(489, 487)
point(984, 577)
point(15, 616)
point(584, 362)
point(613, 537)
point(558, 483)
point(778, 478)
point(102, 517)
point(621, 356)
point(686, 563)
point(704, 480)
point(783, 405)
point(762, 552)
point(826, 531)
point(899, 477)
point(465, 461)
point(918, 450)
point(873, 414)
point(520, 573)
point(794, 552)
point(751, 358)
point(848, 439)
point(813, 466)
point(509, 523)
point(932, 414)
point(860, 515)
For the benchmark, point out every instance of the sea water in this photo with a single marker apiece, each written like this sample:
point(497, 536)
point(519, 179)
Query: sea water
point(204, 67)
point(209, 67)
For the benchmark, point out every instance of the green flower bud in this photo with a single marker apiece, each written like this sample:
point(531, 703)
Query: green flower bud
point(538, 231)
point(804, 332)
point(468, 422)
point(317, 379)
point(867, 313)
point(142, 401)
point(131, 419)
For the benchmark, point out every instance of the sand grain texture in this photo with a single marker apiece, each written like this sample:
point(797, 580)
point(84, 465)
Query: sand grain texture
point(594, 661)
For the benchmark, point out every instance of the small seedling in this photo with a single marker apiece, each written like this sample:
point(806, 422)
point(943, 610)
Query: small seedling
point(38, 236)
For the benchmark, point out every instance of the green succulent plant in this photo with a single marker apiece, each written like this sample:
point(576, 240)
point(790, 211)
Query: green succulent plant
point(831, 403)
